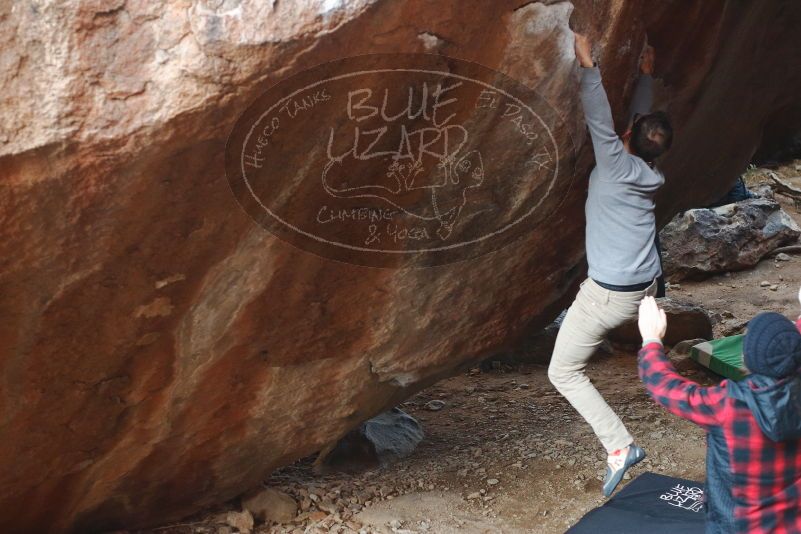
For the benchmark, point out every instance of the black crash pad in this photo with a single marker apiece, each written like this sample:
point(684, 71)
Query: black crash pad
point(651, 503)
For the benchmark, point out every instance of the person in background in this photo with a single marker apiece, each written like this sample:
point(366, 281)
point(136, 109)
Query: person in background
point(621, 251)
point(737, 193)
point(753, 462)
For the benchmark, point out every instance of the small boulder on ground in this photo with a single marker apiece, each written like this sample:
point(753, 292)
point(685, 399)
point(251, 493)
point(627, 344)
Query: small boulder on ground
point(435, 405)
point(682, 349)
point(386, 437)
point(242, 521)
point(685, 321)
point(733, 237)
point(680, 355)
point(268, 504)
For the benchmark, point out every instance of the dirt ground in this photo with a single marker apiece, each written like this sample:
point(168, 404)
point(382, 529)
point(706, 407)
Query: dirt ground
point(507, 453)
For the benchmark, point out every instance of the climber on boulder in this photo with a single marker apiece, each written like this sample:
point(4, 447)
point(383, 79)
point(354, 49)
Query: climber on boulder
point(621, 252)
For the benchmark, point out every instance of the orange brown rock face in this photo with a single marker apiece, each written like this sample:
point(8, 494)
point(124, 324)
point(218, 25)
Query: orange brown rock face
point(160, 351)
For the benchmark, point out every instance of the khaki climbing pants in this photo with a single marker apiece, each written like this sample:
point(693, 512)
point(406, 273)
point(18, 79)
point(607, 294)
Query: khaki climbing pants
point(595, 312)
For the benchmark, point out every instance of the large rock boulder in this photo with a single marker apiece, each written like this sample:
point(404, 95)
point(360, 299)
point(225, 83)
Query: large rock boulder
point(160, 351)
point(733, 237)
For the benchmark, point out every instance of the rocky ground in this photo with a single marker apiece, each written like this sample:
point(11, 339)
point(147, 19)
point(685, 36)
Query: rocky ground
point(503, 451)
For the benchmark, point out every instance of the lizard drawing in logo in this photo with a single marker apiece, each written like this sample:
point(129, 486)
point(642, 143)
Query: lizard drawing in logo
point(444, 185)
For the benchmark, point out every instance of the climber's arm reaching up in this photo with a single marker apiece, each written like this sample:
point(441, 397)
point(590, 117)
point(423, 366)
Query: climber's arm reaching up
point(610, 154)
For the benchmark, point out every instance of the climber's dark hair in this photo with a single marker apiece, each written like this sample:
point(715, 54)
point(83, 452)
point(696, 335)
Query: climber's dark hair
point(651, 135)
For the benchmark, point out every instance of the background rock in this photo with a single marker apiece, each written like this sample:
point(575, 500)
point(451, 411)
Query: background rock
point(680, 356)
point(160, 352)
point(682, 349)
point(268, 504)
point(736, 236)
point(241, 521)
point(685, 321)
point(386, 437)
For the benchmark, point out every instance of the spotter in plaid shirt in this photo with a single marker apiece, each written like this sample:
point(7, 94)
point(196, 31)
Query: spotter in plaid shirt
point(753, 443)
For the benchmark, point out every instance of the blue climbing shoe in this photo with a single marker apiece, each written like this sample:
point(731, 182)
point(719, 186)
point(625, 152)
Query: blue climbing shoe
point(616, 467)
